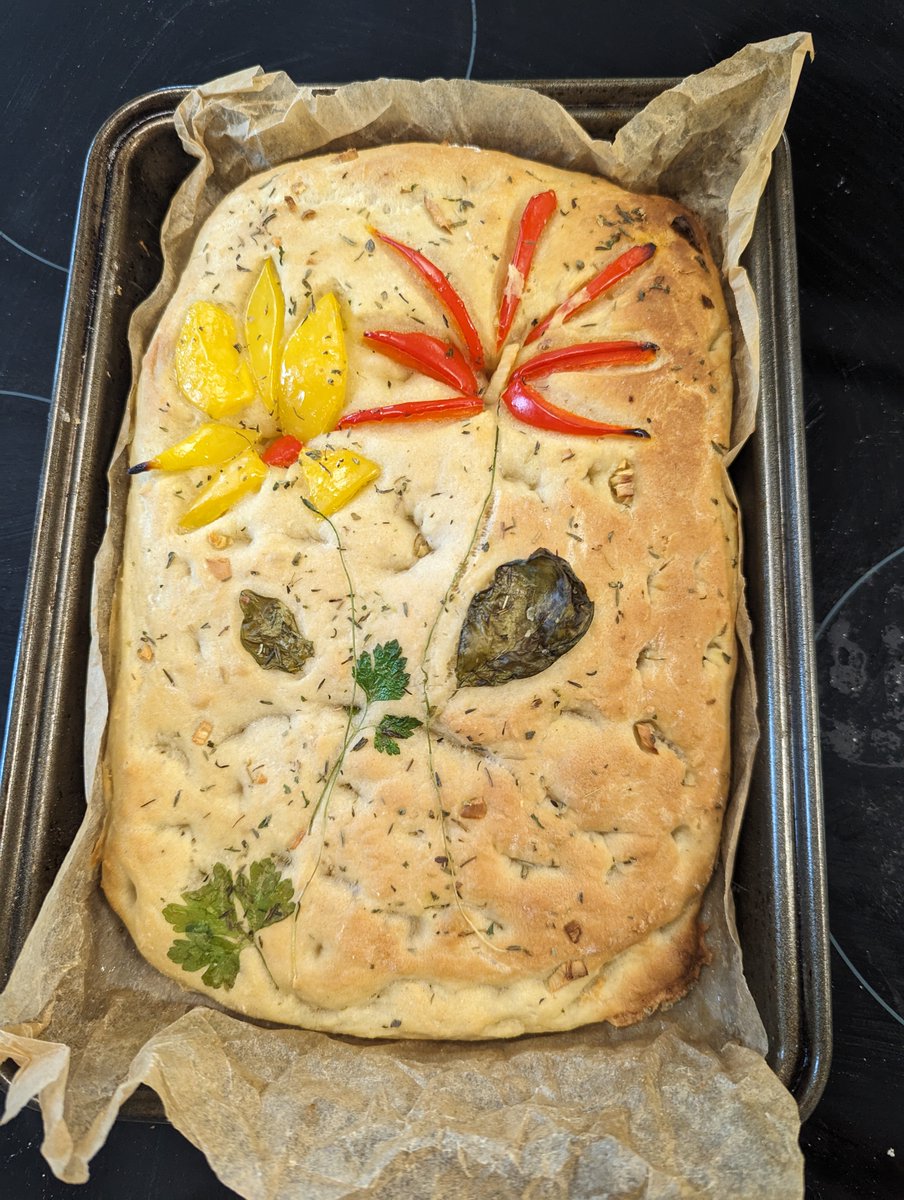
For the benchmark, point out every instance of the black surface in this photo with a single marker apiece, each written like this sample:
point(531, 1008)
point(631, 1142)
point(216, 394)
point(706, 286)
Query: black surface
point(65, 66)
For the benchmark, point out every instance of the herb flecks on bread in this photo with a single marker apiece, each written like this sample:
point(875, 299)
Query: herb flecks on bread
point(519, 838)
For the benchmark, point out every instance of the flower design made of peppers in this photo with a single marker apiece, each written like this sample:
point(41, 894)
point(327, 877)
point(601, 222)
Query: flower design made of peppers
point(302, 378)
point(445, 362)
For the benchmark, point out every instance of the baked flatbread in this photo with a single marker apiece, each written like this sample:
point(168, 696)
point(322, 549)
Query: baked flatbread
point(533, 855)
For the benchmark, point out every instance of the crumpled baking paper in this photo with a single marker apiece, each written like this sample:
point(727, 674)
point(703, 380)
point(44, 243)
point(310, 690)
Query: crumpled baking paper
point(680, 1105)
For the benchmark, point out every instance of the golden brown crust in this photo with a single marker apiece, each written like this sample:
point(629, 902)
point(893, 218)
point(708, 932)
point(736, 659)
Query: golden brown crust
point(546, 869)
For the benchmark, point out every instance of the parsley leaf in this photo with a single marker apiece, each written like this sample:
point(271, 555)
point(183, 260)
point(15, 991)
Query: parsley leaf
point(207, 910)
point(382, 677)
point(219, 955)
point(215, 933)
point(265, 897)
point(392, 728)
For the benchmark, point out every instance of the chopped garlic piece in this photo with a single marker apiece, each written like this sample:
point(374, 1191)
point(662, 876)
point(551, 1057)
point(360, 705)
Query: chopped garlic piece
point(567, 973)
point(220, 568)
point(202, 733)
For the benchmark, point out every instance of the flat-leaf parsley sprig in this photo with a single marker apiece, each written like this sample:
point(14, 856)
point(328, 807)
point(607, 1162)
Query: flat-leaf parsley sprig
point(217, 930)
point(382, 676)
point(391, 731)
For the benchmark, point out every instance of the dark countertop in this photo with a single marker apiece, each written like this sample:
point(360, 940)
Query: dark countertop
point(65, 67)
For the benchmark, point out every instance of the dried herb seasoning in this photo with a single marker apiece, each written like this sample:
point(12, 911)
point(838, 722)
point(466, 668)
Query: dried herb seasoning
point(685, 229)
point(535, 610)
point(270, 634)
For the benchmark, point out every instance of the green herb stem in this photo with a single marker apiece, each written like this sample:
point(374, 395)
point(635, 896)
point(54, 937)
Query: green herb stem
point(260, 951)
point(323, 799)
point(425, 693)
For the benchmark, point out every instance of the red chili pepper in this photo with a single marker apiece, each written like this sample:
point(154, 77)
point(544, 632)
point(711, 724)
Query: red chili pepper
point(607, 278)
point(536, 214)
point(586, 355)
point(283, 452)
point(444, 292)
point(416, 410)
point(529, 406)
point(431, 355)
point(525, 403)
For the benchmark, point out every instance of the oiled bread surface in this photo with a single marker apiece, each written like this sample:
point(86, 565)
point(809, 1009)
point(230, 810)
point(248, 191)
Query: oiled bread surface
point(603, 777)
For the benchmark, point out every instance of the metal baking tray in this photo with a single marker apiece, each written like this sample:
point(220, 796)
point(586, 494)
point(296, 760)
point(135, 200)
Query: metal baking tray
point(133, 169)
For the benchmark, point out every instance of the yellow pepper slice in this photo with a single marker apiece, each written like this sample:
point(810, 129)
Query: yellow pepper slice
point(333, 477)
point(208, 445)
point(238, 478)
point(264, 320)
point(210, 368)
point(314, 371)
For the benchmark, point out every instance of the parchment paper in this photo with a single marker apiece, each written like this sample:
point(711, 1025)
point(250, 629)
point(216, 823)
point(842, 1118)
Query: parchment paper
point(682, 1104)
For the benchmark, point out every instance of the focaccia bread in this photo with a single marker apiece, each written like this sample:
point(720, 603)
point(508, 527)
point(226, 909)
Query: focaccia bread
point(469, 780)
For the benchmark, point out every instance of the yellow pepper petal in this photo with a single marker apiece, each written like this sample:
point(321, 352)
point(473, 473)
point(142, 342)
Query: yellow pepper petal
point(264, 320)
point(209, 445)
point(238, 478)
point(209, 369)
point(333, 477)
point(313, 375)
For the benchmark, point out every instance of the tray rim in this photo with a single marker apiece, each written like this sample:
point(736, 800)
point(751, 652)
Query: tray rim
point(805, 1074)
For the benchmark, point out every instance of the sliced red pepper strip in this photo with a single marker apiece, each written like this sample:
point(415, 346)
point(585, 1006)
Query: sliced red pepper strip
point(536, 214)
point(444, 292)
point(283, 452)
point(525, 403)
point(588, 292)
point(438, 359)
point(586, 355)
point(416, 410)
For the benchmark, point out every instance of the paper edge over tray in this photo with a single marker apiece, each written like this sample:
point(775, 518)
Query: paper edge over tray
point(517, 1142)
